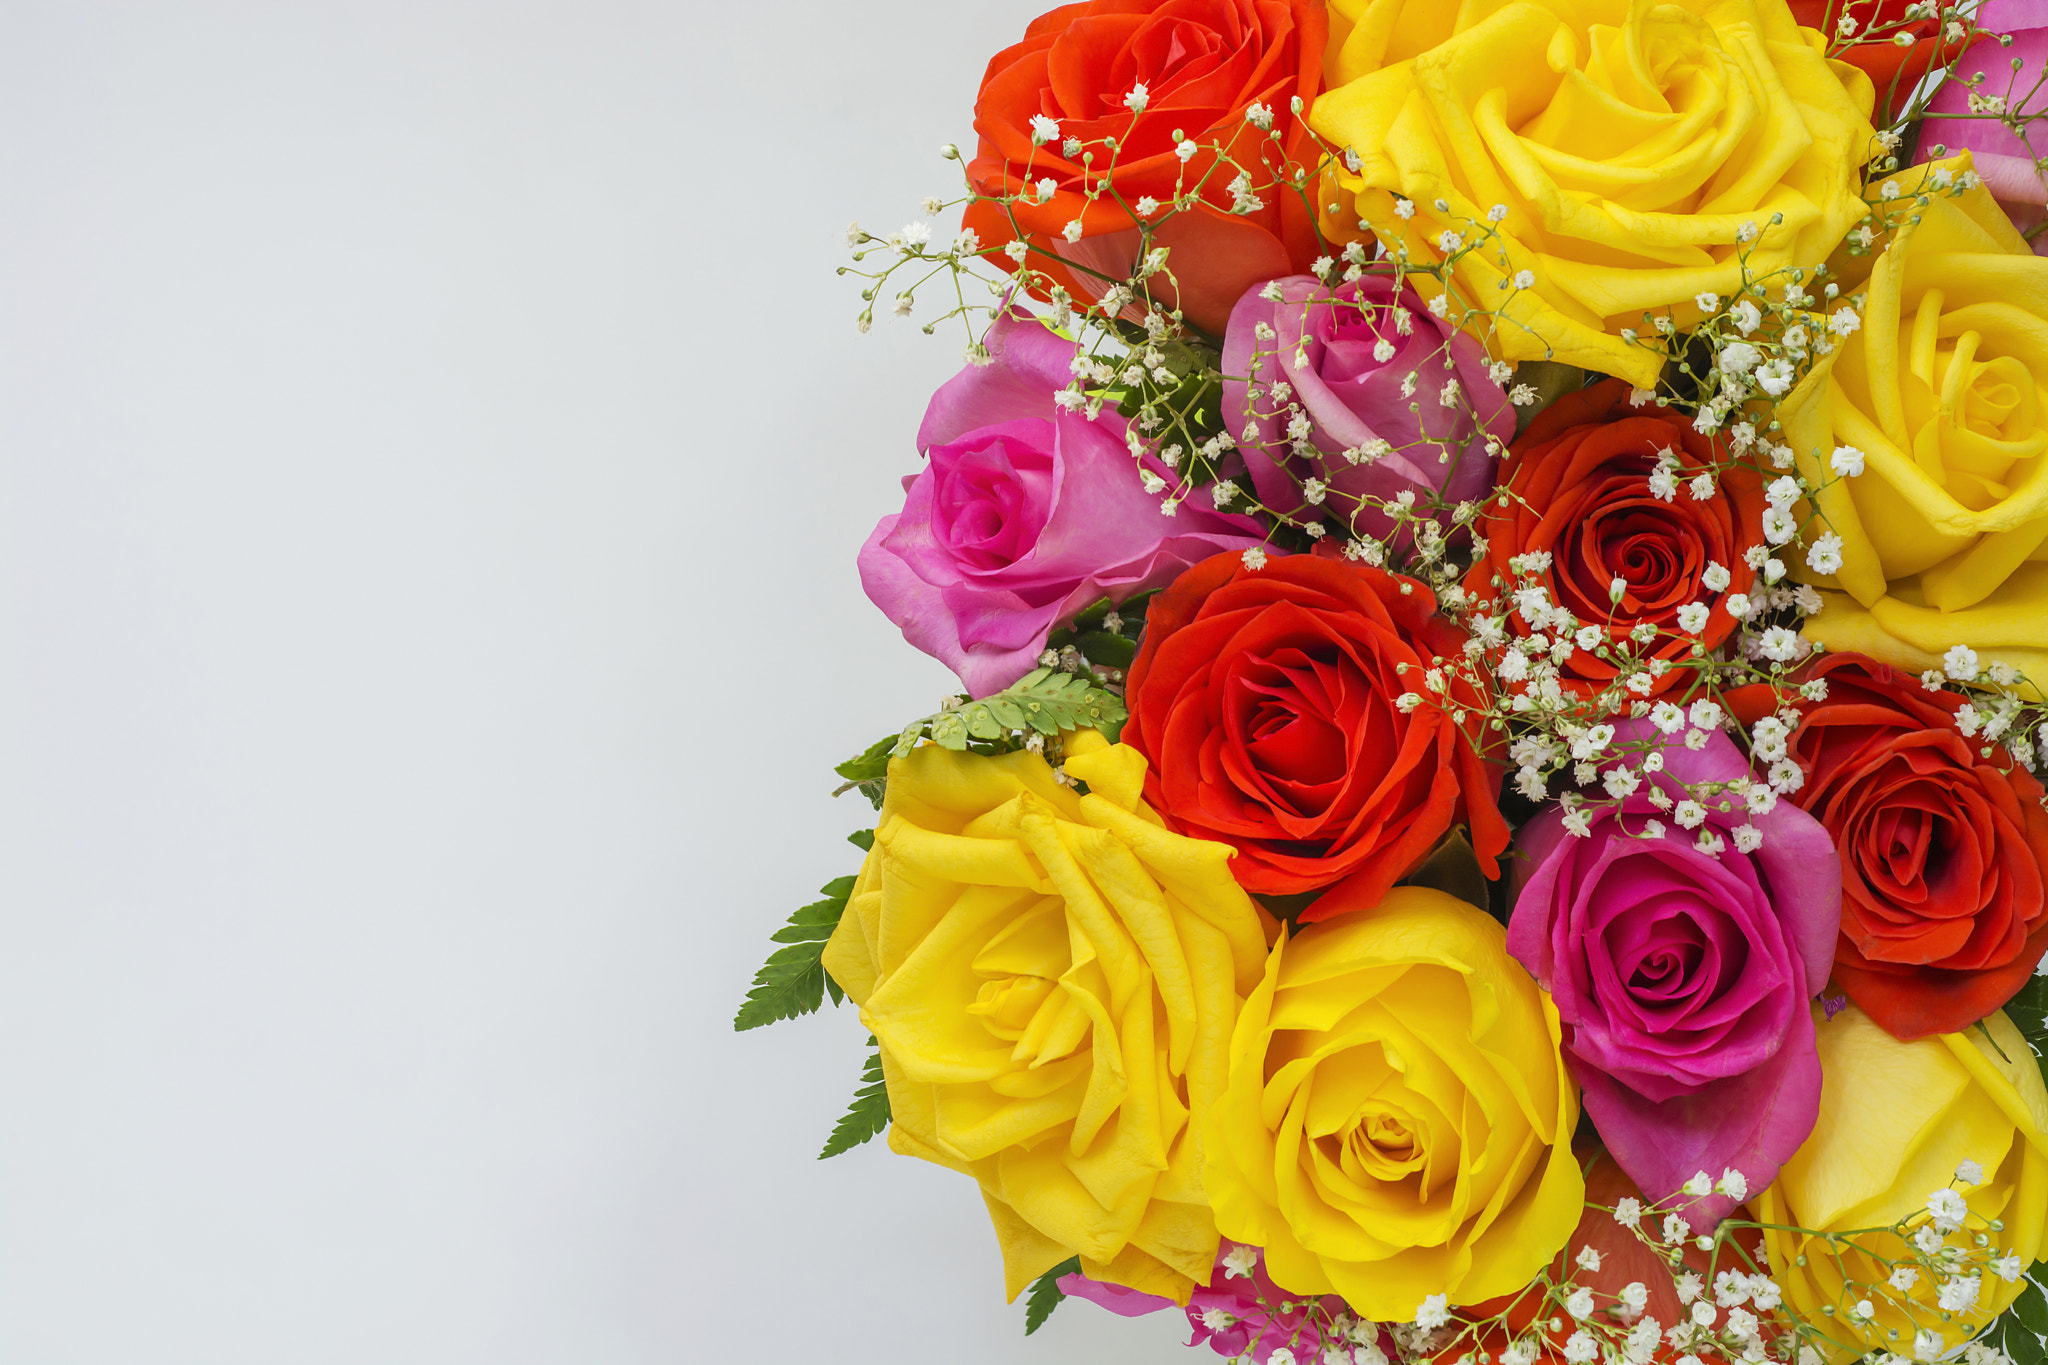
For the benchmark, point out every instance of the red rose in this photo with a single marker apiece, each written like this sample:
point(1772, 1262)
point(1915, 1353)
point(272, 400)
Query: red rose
point(1265, 701)
point(1579, 491)
point(1943, 909)
point(1203, 63)
point(1893, 69)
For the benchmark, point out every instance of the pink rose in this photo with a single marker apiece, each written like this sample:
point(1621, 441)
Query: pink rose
point(2000, 157)
point(1684, 976)
point(1358, 344)
point(1025, 515)
point(1255, 1319)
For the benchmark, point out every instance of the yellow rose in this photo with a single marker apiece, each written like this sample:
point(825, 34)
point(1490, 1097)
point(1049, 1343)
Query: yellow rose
point(1943, 532)
point(1630, 140)
point(1399, 1118)
point(1896, 1119)
point(1052, 979)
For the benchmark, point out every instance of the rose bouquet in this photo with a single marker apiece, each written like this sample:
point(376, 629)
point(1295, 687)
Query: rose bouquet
point(1497, 558)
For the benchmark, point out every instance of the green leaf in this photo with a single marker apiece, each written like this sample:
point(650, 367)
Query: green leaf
point(1006, 711)
point(1044, 1294)
point(862, 839)
point(1086, 619)
point(815, 922)
point(868, 771)
point(869, 1112)
point(1046, 701)
point(1109, 651)
point(2028, 1011)
point(2032, 1309)
point(949, 730)
point(2022, 1345)
point(870, 764)
point(793, 980)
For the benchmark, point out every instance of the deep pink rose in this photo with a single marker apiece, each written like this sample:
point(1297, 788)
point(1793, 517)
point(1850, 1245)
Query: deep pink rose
point(1025, 515)
point(1684, 978)
point(1258, 1316)
point(1999, 156)
point(1352, 398)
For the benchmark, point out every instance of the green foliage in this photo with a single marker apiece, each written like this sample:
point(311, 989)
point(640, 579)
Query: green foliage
point(1044, 1294)
point(1044, 700)
point(793, 980)
point(1089, 634)
point(2029, 1013)
point(1109, 651)
point(2019, 1330)
point(868, 771)
point(869, 1112)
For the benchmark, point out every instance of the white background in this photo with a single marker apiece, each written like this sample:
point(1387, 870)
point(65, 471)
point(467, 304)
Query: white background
point(433, 446)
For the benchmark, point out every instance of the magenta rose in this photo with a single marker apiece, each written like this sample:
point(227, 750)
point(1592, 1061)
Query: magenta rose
point(1345, 355)
point(1024, 515)
point(1999, 156)
point(1684, 976)
point(1258, 1318)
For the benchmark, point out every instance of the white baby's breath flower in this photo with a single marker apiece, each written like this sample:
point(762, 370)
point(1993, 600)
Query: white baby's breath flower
point(1947, 1210)
point(1958, 1293)
point(1779, 645)
point(1824, 556)
point(1775, 377)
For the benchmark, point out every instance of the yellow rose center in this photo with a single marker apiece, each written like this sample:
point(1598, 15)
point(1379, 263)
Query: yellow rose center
point(1038, 1016)
point(1974, 412)
point(1007, 1006)
point(1646, 114)
point(1021, 1000)
point(1385, 1145)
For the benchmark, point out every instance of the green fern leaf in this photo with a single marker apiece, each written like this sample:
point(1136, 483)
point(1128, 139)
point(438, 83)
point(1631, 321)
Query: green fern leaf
point(1045, 1295)
point(869, 1112)
point(793, 981)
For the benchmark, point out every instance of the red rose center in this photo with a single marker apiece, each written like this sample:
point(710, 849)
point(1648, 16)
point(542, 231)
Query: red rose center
point(1297, 715)
point(1638, 540)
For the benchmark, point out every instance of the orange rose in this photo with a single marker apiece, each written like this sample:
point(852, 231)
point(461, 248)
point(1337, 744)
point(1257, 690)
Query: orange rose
point(1203, 64)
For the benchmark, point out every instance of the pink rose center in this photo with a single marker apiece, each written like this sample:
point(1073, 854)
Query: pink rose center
point(992, 494)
